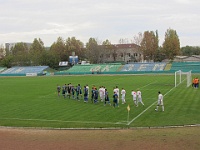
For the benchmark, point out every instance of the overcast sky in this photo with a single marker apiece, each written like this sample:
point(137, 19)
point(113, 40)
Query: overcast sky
point(24, 20)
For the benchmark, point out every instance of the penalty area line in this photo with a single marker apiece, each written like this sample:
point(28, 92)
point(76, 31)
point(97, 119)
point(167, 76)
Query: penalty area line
point(147, 84)
point(147, 108)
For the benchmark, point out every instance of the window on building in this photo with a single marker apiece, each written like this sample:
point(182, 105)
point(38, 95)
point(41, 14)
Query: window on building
point(135, 54)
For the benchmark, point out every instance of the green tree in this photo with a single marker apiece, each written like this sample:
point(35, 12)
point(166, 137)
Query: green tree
point(93, 50)
point(159, 55)
point(149, 45)
point(37, 52)
point(20, 54)
point(58, 49)
point(51, 60)
point(7, 61)
point(2, 51)
point(171, 44)
point(106, 42)
point(190, 50)
point(74, 45)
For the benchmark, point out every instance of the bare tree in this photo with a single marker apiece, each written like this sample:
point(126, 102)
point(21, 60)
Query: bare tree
point(137, 39)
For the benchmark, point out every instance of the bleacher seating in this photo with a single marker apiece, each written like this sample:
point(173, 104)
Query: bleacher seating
point(25, 70)
point(168, 66)
point(144, 67)
point(2, 69)
point(95, 68)
point(186, 66)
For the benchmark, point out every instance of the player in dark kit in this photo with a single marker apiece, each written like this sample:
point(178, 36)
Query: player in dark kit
point(96, 94)
point(85, 94)
point(107, 100)
point(69, 90)
point(78, 91)
point(92, 95)
point(115, 99)
point(58, 90)
point(73, 91)
point(63, 91)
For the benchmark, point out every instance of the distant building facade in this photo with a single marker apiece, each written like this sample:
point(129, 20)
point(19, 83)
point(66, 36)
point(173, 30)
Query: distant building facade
point(9, 46)
point(193, 58)
point(122, 53)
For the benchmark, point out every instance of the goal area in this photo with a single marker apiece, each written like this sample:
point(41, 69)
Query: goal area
point(183, 78)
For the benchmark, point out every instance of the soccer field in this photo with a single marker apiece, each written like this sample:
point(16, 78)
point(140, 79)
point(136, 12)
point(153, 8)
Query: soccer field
point(33, 102)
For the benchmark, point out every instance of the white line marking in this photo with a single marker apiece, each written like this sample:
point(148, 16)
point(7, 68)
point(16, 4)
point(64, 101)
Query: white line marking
point(148, 84)
point(147, 108)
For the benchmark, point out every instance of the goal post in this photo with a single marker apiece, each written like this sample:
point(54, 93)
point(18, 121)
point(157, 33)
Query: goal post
point(181, 76)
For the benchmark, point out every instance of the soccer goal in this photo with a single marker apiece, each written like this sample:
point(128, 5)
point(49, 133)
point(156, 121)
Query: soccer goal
point(181, 77)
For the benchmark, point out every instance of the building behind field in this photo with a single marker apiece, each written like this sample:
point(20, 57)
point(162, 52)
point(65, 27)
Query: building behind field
point(122, 53)
point(193, 58)
point(9, 46)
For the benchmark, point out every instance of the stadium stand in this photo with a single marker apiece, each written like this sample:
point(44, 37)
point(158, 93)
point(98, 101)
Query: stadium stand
point(24, 70)
point(2, 69)
point(116, 68)
point(93, 68)
point(168, 66)
point(186, 66)
point(144, 67)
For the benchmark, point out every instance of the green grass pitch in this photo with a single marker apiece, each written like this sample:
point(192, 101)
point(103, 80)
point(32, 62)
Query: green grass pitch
point(33, 102)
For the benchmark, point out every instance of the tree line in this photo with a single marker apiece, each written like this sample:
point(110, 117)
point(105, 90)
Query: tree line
point(94, 50)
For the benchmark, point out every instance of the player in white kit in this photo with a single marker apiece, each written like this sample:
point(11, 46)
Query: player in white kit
point(139, 97)
point(101, 93)
point(123, 93)
point(160, 101)
point(134, 94)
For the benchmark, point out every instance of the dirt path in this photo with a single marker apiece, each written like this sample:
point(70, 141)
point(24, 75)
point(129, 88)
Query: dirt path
point(153, 139)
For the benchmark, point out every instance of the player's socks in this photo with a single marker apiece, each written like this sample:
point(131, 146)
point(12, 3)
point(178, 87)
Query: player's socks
point(162, 108)
point(156, 108)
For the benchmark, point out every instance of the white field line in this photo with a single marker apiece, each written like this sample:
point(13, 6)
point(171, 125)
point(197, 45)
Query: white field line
point(147, 85)
point(180, 82)
point(124, 122)
point(44, 120)
point(88, 122)
point(147, 108)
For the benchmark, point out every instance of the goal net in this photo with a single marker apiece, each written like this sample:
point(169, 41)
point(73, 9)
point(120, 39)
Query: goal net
point(183, 77)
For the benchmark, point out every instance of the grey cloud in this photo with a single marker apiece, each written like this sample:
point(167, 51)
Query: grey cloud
point(25, 20)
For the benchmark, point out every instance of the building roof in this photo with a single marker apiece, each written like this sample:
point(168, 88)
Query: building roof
point(126, 45)
point(193, 58)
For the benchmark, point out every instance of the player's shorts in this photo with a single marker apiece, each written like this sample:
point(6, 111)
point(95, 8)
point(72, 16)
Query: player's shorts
point(115, 101)
point(139, 99)
point(160, 102)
